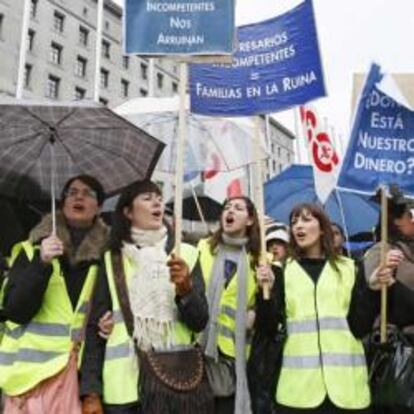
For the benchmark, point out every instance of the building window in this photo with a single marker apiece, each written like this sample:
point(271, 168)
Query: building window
point(27, 75)
point(83, 36)
point(104, 78)
point(143, 92)
point(30, 40)
point(85, 12)
point(103, 101)
point(124, 88)
point(160, 80)
point(106, 25)
point(56, 53)
point(80, 68)
point(288, 157)
point(279, 152)
point(1, 25)
point(79, 93)
point(33, 8)
point(144, 71)
point(58, 21)
point(52, 87)
point(125, 62)
point(174, 87)
point(106, 49)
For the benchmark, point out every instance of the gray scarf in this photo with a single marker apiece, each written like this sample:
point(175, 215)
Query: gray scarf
point(214, 294)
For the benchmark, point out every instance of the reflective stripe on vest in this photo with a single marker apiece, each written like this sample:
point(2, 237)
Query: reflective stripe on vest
point(321, 356)
point(38, 350)
point(120, 372)
point(226, 320)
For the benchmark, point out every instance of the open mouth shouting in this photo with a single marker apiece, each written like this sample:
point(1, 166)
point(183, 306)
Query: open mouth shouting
point(300, 236)
point(78, 208)
point(228, 221)
point(157, 214)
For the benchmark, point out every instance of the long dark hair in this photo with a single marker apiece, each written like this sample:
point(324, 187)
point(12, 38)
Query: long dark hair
point(252, 231)
point(121, 225)
point(327, 243)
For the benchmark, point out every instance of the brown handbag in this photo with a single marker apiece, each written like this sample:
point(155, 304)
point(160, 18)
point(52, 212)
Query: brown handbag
point(172, 382)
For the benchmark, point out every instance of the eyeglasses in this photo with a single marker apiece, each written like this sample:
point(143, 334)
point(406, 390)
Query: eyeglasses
point(86, 192)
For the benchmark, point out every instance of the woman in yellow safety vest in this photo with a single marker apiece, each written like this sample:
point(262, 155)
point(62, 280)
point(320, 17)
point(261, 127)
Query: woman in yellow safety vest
point(46, 299)
point(327, 308)
point(158, 305)
point(229, 261)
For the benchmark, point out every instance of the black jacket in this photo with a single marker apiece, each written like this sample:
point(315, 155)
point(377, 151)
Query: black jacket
point(27, 281)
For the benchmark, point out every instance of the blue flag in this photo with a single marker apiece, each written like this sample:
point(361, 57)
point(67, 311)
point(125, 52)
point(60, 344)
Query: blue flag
point(179, 27)
point(381, 146)
point(277, 65)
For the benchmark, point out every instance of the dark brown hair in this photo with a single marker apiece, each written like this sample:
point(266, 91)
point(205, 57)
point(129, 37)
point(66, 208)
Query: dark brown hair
point(327, 244)
point(88, 180)
point(252, 231)
point(121, 225)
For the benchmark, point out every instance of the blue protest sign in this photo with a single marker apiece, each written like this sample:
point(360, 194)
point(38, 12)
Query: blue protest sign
point(179, 27)
point(277, 65)
point(381, 147)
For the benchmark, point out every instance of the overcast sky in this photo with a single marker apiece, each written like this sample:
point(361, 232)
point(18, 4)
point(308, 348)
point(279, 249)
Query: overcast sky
point(352, 34)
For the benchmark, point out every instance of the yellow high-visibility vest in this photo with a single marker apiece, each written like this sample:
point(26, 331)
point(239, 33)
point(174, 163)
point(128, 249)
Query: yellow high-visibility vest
point(120, 372)
point(40, 349)
point(226, 340)
point(321, 357)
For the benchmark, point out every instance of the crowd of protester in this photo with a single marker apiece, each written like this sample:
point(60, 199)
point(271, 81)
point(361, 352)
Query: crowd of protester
point(119, 320)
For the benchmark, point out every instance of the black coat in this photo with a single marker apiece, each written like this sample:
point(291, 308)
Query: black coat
point(27, 280)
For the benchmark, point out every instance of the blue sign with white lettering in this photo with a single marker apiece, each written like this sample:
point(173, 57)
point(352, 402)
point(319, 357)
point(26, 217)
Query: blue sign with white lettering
point(381, 147)
point(179, 27)
point(277, 65)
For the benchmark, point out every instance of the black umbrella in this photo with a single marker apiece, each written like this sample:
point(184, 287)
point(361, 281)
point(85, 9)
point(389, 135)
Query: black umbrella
point(44, 144)
point(210, 208)
point(86, 138)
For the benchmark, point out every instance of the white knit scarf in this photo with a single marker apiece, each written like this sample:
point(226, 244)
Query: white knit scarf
point(151, 293)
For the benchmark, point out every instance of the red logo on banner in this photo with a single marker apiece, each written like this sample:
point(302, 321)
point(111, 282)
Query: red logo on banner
point(324, 155)
point(214, 167)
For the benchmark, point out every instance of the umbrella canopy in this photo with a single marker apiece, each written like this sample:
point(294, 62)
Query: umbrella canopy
point(214, 143)
point(85, 138)
point(296, 185)
point(211, 209)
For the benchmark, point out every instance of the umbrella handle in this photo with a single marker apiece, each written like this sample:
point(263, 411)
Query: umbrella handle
point(53, 184)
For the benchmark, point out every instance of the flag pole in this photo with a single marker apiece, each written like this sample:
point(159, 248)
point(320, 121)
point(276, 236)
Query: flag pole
point(179, 171)
point(23, 48)
point(98, 50)
point(298, 157)
point(258, 186)
point(384, 248)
